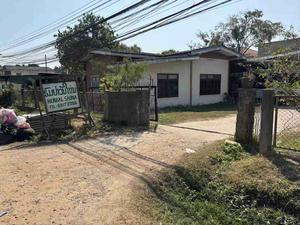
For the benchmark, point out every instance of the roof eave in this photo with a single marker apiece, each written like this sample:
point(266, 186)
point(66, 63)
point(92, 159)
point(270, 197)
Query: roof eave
point(122, 54)
point(227, 51)
point(271, 57)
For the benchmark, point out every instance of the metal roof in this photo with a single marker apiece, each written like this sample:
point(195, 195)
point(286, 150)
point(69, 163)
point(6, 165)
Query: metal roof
point(178, 56)
point(271, 57)
point(31, 68)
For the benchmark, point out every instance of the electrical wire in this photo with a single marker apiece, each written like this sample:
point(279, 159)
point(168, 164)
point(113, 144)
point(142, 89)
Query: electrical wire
point(128, 21)
point(53, 29)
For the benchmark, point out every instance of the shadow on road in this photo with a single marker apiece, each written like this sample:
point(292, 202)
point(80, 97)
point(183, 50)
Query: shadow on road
point(201, 130)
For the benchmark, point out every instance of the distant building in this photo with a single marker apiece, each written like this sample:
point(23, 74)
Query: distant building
point(291, 47)
point(8, 72)
point(23, 70)
point(250, 53)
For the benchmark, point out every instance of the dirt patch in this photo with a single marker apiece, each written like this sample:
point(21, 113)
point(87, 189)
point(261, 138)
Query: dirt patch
point(91, 181)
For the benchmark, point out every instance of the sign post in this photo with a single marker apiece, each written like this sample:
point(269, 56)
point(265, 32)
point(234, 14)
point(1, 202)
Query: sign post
point(61, 93)
point(61, 96)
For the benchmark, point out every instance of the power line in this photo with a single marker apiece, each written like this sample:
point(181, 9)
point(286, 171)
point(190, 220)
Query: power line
point(187, 12)
point(50, 29)
point(163, 19)
point(52, 23)
point(52, 43)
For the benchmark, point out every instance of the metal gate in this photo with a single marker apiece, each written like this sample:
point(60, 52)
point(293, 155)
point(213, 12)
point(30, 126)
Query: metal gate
point(287, 122)
point(153, 100)
point(95, 100)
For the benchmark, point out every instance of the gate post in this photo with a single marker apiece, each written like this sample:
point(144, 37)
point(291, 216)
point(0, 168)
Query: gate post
point(266, 126)
point(245, 115)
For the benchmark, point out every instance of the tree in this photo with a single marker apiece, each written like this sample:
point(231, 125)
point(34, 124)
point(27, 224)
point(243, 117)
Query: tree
point(282, 73)
point(243, 31)
point(73, 43)
point(122, 76)
point(60, 69)
point(132, 49)
point(168, 52)
point(33, 65)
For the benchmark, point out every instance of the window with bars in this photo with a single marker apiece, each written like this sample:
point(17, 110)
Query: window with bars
point(167, 85)
point(95, 81)
point(210, 84)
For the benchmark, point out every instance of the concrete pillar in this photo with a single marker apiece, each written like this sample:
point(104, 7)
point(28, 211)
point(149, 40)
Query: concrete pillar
point(245, 116)
point(266, 124)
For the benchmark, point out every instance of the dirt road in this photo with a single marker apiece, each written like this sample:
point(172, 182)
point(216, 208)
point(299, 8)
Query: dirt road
point(92, 181)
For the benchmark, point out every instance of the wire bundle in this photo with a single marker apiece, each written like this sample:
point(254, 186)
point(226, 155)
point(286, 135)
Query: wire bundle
point(130, 21)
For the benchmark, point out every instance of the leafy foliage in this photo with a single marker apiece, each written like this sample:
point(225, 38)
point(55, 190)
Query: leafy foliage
point(123, 76)
point(7, 95)
point(243, 31)
point(132, 49)
point(282, 73)
point(231, 151)
point(73, 43)
point(168, 52)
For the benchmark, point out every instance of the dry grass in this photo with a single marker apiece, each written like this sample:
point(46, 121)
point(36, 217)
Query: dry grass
point(259, 172)
point(214, 187)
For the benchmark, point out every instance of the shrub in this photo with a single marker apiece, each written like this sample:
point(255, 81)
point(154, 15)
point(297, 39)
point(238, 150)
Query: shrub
point(123, 76)
point(7, 96)
point(231, 151)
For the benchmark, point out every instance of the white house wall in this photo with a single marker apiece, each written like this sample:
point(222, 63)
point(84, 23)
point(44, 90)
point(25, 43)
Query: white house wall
point(182, 68)
point(209, 66)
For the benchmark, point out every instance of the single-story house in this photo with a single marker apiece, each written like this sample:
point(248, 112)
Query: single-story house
point(8, 70)
point(194, 77)
point(20, 74)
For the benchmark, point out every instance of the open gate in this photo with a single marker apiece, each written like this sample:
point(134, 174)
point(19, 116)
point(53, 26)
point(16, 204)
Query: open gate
point(287, 122)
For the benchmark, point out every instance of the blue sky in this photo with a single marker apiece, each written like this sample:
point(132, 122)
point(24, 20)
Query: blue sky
point(19, 17)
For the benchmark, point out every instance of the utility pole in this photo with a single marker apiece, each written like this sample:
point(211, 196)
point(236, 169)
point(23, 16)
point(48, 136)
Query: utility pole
point(46, 63)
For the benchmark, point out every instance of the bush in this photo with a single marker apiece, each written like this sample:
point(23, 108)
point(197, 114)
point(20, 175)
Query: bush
point(123, 76)
point(7, 96)
point(231, 151)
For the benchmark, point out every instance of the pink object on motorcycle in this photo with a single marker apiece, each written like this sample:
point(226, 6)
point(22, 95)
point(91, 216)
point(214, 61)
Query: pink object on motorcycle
point(7, 117)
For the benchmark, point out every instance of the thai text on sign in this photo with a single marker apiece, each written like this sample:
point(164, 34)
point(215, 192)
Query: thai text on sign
point(61, 96)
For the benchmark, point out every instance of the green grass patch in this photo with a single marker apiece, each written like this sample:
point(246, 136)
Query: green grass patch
point(289, 141)
point(172, 115)
point(229, 186)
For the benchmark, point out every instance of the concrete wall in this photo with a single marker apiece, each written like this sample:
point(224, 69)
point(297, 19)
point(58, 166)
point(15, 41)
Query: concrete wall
point(182, 68)
point(128, 107)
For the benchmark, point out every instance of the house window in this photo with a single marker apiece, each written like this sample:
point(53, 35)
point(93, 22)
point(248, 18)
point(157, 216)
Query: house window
point(95, 81)
point(167, 85)
point(210, 84)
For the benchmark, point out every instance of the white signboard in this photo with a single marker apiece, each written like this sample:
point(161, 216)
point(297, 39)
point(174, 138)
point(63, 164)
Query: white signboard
point(61, 96)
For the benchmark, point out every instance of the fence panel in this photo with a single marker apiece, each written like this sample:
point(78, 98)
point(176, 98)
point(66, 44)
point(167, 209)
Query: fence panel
point(287, 122)
point(94, 100)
